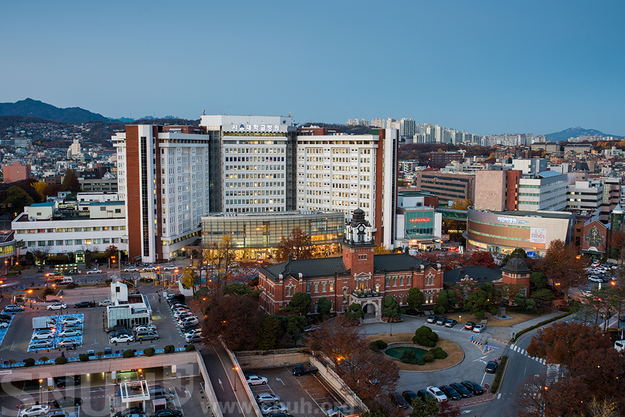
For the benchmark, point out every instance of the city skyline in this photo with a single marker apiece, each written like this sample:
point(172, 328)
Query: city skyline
point(484, 68)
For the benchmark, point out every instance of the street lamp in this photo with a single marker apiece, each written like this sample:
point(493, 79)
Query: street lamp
point(236, 369)
point(40, 391)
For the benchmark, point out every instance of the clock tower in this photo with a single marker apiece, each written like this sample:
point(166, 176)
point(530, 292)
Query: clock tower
point(358, 248)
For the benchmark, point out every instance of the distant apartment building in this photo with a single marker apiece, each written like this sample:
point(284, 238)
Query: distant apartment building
point(440, 159)
point(407, 128)
point(585, 196)
point(98, 185)
point(379, 123)
point(543, 191)
point(15, 171)
point(447, 186)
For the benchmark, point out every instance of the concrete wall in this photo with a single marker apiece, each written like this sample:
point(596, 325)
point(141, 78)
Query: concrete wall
point(338, 385)
point(271, 361)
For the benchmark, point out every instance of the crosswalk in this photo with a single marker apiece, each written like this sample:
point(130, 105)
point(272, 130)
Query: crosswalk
point(524, 352)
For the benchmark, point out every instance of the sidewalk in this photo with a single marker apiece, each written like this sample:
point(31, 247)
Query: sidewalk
point(504, 334)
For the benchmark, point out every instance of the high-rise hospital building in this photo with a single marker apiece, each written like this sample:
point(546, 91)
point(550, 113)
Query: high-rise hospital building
point(171, 176)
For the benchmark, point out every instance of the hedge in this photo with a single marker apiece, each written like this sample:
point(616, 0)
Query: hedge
point(497, 381)
point(61, 360)
point(83, 357)
point(542, 323)
point(148, 352)
point(128, 353)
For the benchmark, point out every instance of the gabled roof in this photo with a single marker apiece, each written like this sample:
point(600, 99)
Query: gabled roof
point(398, 262)
point(310, 268)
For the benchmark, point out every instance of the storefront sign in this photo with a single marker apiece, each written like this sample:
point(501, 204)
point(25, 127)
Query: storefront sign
point(424, 220)
point(254, 128)
point(511, 220)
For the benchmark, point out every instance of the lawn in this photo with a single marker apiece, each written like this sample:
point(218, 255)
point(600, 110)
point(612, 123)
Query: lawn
point(517, 317)
point(455, 353)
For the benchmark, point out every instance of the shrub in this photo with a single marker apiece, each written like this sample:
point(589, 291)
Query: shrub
point(149, 352)
point(424, 336)
point(190, 348)
point(407, 356)
point(44, 358)
point(60, 360)
point(83, 357)
point(169, 349)
point(441, 354)
point(493, 311)
point(420, 361)
point(497, 381)
point(413, 361)
point(48, 291)
point(374, 346)
point(128, 353)
point(479, 314)
point(99, 354)
point(29, 362)
point(428, 357)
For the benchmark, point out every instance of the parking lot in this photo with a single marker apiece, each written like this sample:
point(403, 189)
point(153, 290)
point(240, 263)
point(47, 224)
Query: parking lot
point(306, 395)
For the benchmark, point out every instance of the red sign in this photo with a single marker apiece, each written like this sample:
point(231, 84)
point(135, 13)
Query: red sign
point(427, 219)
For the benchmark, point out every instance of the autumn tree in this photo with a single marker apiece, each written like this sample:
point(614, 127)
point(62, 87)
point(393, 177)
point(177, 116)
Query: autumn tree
point(221, 256)
point(381, 250)
point(369, 374)
point(562, 341)
point(189, 277)
point(40, 187)
point(70, 182)
point(237, 319)
point(617, 244)
point(563, 266)
point(482, 258)
point(338, 339)
point(238, 288)
point(297, 244)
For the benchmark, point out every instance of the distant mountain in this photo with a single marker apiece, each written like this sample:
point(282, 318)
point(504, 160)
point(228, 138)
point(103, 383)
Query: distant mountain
point(36, 108)
point(574, 132)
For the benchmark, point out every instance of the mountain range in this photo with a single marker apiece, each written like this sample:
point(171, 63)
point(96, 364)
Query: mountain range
point(36, 108)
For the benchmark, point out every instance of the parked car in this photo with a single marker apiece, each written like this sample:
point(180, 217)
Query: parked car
point(131, 269)
point(469, 326)
point(491, 367)
point(409, 396)
point(105, 303)
point(66, 402)
point(13, 308)
point(35, 410)
point(424, 395)
point(70, 333)
point(256, 380)
point(130, 412)
point(440, 321)
point(146, 335)
point(67, 343)
point(122, 338)
point(57, 306)
point(84, 304)
point(437, 393)
point(67, 381)
point(120, 332)
point(44, 334)
point(273, 408)
point(40, 344)
point(267, 397)
point(342, 410)
point(474, 387)
point(450, 323)
point(4, 324)
point(432, 319)
point(461, 389)
point(158, 391)
point(94, 271)
point(193, 338)
point(169, 268)
point(166, 412)
point(398, 400)
point(145, 328)
point(450, 392)
point(108, 351)
point(58, 413)
point(479, 328)
point(300, 370)
point(71, 320)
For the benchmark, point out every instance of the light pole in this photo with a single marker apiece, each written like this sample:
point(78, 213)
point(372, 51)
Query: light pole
point(40, 391)
point(236, 369)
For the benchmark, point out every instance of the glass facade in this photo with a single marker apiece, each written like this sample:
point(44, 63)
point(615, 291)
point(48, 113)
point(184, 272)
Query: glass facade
point(419, 224)
point(259, 234)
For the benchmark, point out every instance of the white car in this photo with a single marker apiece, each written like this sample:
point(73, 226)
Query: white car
point(122, 338)
point(67, 343)
point(273, 408)
point(40, 344)
point(145, 328)
point(437, 393)
point(57, 306)
point(70, 333)
point(479, 328)
point(72, 320)
point(256, 380)
point(35, 410)
point(43, 335)
point(94, 271)
point(131, 269)
point(169, 268)
point(105, 303)
point(267, 397)
point(4, 325)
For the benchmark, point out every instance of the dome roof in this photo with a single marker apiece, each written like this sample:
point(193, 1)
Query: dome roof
point(516, 265)
point(617, 209)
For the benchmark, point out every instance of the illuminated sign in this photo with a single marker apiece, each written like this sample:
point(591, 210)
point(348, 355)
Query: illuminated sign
point(511, 220)
point(254, 128)
point(427, 219)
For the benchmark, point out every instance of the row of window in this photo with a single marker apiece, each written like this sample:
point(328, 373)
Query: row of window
point(70, 229)
point(70, 242)
point(254, 167)
point(252, 176)
point(256, 201)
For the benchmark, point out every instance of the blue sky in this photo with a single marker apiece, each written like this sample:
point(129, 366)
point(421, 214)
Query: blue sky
point(485, 67)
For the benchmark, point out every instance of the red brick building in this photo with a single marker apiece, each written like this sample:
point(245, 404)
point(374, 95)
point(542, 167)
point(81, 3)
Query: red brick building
point(356, 277)
point(16, 171)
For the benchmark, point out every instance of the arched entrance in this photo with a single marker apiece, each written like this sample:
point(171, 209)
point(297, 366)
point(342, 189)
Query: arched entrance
point(369, 310)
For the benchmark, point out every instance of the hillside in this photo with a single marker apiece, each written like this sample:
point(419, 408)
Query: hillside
point(575, 132)
point(36, 108)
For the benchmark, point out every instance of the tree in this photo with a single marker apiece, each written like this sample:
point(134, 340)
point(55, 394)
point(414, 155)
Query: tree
point(270, 330)
point(295, 325)
point(369, 374)
point(562, 341)
point(381, 250)
point(415, 298)
point(543, 296)
point(324, 306)
point(354, 312)
point(481, 258)
point(390, 307)
point(40, 187)
point(447, 409)
point(617, 244)
point(239, 288)
point(189, 277)
point(70, 182)
point(301, 303)
point(424, 336)
point(337, 339)
point(539, 280)
point(297, 244)
point(221, 255)
point(563, 266)
point(518, 251)
point(424, 409)
point(16, 199)
point(235, 318)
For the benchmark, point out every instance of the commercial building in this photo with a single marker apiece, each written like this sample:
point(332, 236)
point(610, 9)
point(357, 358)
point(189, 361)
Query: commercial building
point(585, 196)
point(45, 228)
point(543, 191)
point(358, 276)
point(504, 231)
point(418, 224)
point(447, 186)
point(128, 310)
point(440, 159)
point(255, 235)
point(15, 171)
point(163, 177)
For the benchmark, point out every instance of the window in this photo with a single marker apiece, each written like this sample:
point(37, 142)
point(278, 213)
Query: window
point(388, 282)
point(429, 280)
point(41, 243)
point(316, 287)
point(323, 287)
point(394, 281)
point(117, 211)
point(401, 281)
point(87, 241)
point(50, 242)
point(31, 243)
point(59, 243)
point(308, 287)
point(102, 208)
point(362, 257)
point(77, 241)
point(69, 242)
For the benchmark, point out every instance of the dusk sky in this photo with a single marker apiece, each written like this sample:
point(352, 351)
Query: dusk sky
point(485, 67)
